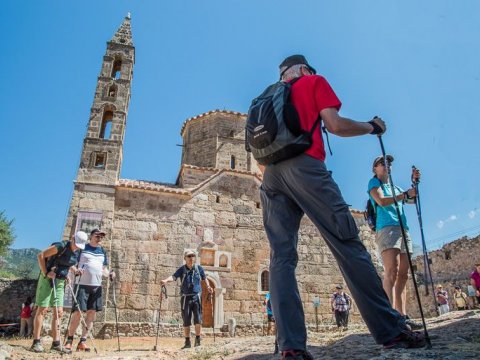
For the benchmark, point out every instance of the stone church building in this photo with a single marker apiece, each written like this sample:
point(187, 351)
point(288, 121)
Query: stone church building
point(213, 208)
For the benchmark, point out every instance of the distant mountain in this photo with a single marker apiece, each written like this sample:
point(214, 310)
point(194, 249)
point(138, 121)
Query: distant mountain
point(19, 264)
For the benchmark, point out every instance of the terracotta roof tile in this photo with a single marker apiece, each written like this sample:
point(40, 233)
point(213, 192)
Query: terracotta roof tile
point(152, 186)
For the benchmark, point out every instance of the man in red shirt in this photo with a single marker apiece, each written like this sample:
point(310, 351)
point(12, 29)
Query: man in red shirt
point(303, 185)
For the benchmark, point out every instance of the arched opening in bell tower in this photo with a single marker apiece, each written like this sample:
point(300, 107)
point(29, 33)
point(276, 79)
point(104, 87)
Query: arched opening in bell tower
point(106, 125)
point(117, 68)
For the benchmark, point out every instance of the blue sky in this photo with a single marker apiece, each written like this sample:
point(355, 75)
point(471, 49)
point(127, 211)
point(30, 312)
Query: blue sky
point(415, 64)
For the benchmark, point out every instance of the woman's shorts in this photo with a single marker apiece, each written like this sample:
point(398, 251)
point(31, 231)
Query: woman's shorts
point(390, 237)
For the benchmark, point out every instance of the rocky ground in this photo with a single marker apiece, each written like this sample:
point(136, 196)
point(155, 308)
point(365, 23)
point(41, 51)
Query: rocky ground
point(454, 335)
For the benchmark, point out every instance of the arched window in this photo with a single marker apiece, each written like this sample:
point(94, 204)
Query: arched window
point(117, 69)
point(106, 125)
point(112, 91)
point(232, 162)
point(223, 260)
point(265, 280)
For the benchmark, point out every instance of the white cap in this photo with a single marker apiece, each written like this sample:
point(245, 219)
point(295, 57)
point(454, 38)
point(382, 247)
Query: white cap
point(81, 238)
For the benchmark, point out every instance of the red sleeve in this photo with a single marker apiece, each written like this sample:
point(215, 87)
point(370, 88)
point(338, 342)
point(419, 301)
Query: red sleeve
point(325, 97)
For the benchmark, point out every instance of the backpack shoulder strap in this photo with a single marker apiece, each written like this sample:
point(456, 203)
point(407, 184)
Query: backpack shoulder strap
point(59, 254)
point(196, 269)
point(183, 276)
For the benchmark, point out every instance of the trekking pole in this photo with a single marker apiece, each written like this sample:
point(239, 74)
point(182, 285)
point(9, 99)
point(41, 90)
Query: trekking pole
point(210, 298)
point(76, 293)
point(82, 319)
point(404, 236)
point(54, 288)
point(116, 315)
point(426, 260)
point(163, 291)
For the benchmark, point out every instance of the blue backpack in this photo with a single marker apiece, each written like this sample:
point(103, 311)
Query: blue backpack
point(272, 131)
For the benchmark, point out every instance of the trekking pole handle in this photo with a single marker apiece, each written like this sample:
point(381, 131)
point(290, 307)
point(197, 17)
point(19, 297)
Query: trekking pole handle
point(415, 179)
point(164, 291)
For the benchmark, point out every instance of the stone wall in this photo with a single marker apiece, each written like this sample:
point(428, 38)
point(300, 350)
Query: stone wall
point(212, 139)
point(151, 230)
point(12, 294)
point(451, 265)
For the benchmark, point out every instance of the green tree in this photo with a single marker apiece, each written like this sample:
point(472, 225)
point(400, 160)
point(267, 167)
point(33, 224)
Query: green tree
point(7, 235)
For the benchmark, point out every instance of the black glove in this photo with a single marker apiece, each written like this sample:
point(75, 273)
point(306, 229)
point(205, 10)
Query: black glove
point(377, 129)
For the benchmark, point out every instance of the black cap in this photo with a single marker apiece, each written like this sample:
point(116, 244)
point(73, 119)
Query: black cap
point(97, 232)
point(295, 60)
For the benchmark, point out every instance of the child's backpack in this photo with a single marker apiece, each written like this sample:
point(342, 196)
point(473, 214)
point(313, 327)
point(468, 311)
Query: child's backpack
point(272, 131)
point(370, 215)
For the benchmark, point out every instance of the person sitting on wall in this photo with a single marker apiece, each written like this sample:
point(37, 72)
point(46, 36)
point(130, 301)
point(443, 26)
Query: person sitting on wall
point(55, 262)
point(190, 276)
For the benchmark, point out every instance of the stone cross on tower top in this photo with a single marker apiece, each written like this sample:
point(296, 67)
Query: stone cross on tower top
point(124, 33)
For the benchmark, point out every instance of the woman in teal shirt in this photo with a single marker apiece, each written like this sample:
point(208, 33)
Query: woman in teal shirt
point(389, 235)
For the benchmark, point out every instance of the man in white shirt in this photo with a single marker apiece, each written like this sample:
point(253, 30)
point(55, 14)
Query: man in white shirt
point(93, 266)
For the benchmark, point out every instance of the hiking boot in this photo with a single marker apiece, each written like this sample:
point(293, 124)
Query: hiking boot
point(406, 340)
point(413, 324)
point(188, 344)
point(61, 349)
point(82, 346)
point(37, 347)
point(197, 341)
point(297, 355)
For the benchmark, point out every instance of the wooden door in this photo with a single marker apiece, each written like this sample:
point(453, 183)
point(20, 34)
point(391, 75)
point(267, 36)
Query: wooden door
point(208, 305)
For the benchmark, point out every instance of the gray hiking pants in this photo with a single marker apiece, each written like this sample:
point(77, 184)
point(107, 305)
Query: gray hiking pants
point(303, 185)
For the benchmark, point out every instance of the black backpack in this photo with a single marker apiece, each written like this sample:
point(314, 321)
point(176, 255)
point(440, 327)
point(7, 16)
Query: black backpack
point(370, 215)
point(272, 131)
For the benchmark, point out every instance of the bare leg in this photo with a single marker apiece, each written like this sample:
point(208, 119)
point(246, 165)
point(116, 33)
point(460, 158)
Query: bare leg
point(89, 320)
point(198, 329)
point(400, 285)
point(38, 321)
point(56, 322)
point(186, 331)
point(390, 264)
point(74, 323)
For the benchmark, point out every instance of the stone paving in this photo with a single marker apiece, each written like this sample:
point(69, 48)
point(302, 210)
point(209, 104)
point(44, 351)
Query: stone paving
point(455, 335)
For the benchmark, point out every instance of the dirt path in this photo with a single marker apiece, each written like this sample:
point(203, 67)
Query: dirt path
point(454, 336)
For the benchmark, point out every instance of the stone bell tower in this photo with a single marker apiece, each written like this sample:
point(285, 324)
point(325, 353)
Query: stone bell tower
point(101, 158)
point(103, 145)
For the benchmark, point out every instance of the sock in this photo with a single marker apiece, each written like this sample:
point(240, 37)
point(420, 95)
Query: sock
point(197, 336)
point(187, 338)
point(36, 341)
point(82, 339)
point(56, 343)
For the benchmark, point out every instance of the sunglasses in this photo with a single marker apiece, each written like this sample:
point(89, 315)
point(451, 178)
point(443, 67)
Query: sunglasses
point(190, 256)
